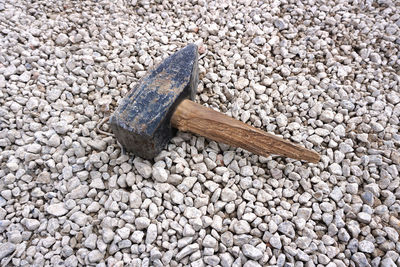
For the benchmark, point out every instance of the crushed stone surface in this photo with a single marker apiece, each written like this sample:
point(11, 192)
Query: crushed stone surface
point(324, 74)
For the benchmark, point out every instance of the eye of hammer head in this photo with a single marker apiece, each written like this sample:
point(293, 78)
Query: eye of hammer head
point(142, 121)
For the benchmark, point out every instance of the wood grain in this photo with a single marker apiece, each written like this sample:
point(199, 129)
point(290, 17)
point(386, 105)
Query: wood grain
point(195, 118)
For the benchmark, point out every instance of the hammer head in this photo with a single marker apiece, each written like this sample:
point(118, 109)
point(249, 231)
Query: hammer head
point(142, 121)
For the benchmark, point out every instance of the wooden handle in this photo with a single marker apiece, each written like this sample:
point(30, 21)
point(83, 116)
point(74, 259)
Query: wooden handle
point(192, 117)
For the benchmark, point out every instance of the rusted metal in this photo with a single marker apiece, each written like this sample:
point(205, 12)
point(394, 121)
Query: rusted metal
point(141, 122)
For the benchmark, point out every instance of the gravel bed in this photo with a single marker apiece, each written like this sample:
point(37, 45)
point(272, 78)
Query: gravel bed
point(325, 75)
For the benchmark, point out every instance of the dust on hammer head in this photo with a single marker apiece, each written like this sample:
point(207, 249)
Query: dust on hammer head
point(142, 121)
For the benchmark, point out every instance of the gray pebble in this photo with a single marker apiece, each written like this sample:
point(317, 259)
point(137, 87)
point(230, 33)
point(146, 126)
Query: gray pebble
point(6, 249)
point(366, 246)
point(57, 209)
point(241, 227)
point(228, 194)
point(142, 223)
point(275, 241)
point(95, 256)
point(143, 169)
point(360, 260)
point(251, 252)
point(151, 234)
point(364, 217)
point(286, 228)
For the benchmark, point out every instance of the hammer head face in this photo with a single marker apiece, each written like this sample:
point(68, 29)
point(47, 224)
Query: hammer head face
point(142, 121)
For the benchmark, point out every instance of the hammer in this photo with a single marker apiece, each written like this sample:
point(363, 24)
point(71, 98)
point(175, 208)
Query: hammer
point(147, 118)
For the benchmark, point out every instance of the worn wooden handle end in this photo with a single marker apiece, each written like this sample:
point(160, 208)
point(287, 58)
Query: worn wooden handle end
point(195, 118)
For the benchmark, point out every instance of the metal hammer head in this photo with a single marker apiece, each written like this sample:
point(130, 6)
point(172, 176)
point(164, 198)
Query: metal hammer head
point(142, 121)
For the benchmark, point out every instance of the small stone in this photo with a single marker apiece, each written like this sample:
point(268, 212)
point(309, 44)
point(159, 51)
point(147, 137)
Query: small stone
point(304, 213)
point(343, 235)
point(142, 223)
point(6, 249)
point(164, 39)
point(79, 192)
point(192, 213)
point(48, 242)
point(366, 246)
point(14, 237)
point(364, 217)
point(212, 186)
point(360, 260)
point(280, 24)
point(343, 71)
point(97, 183)
point(315, 139)
point(187, 184)
point(246, 171)
point(377, 127)
point(71, 261)
point(286, 228)
point(227, 239)
point(80, 218)
point(57, 209)
point(251, 252)
point(93, 207)
point(388, 262)
point(285, 71)
point(252, 263)
point(25, 77)
point(95, 256)
point(352, 188)
point(135, 199)
point(327, 116)
point(151, 234)
point(345, 148)
point(200, 167)
point(335, 168)
point(124, 232)
point(143, 169)
point(209, 242)
point(53, 94)
point(259, 40)
point(336, 194)
point(259, 89)
point(376, 58)
point(62, 127)
point(32, 224)
point(100, 82)
point(303, 242)
point(188, 250)
point(281, 120)
point(10, 70)
point(34, 148)
point(368, 198)
point(339, 130)
point(160, 174)
point(275, 241)
point(108, 235)
point(323, 259)
point(241, 83)
point(228, 194)
point(90, 241)
point(62, 39)
point(392, 233)
point(98, 144)
point(54, 140)
point(326, 207)
point(241, 227)
point(177, 197)
point(67, 172)
point(137, 237)
point(226, 259)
